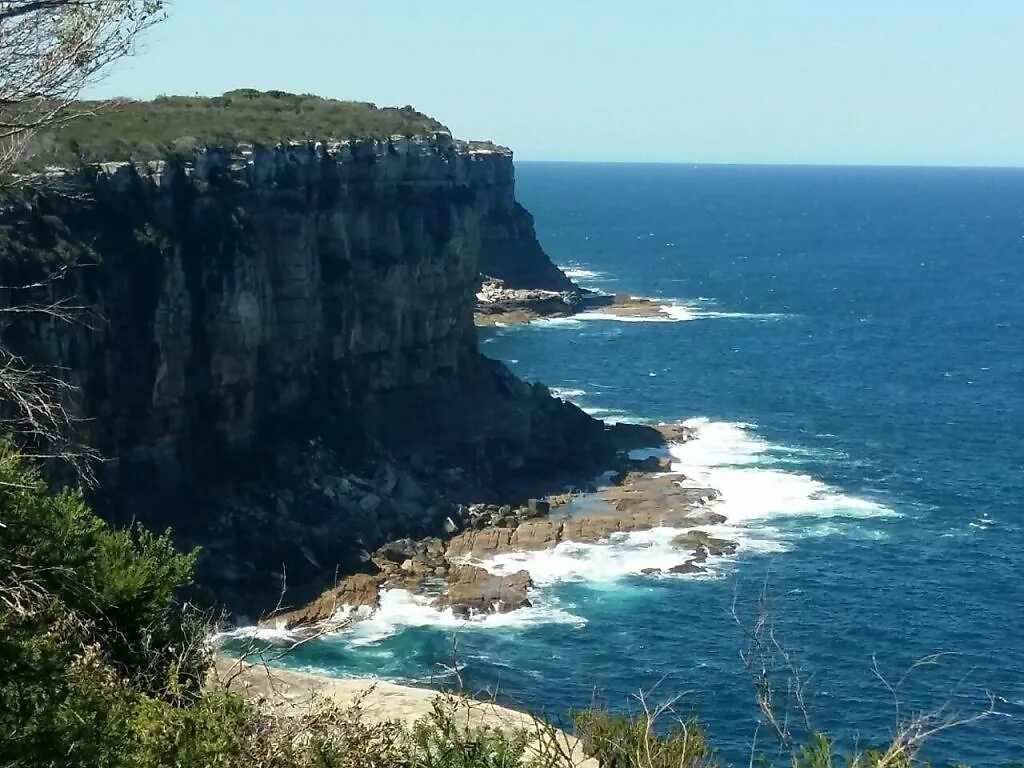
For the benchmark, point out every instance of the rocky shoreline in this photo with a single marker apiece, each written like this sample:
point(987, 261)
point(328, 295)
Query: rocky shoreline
point(498, 304)
point(641, 495)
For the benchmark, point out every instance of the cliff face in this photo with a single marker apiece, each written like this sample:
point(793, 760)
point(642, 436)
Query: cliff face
point(511, 252)
point(293, 297)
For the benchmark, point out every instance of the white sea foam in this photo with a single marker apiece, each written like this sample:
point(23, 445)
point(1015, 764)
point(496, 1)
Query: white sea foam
point(611, 416)
point(260, 634)
point(579, 273)
point(678, 311)
point(730, 458)
point(400, 609)
point(567, 393)
point(563, 322)
point(623, 555)
point(660, 318)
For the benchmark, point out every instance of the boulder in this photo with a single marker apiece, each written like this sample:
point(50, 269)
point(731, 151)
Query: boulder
point(590, 529)
point(539, 533)
point(538, 507)
point(654, 464)
point(688, 567)
point(706, 517)
point(351, 592)
point(370, 502)
point(472, 590)
point(697, 541)
point(397, 551)
point(675, 433)
point(482, 543)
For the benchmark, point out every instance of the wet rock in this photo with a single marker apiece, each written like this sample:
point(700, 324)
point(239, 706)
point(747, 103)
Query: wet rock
point(397, 551)
point(539, 533)
point(676, 433)
point(480, 543)
point(688, 567)
point(352, 592)
point(696, 541)
point(472, 590)
point(706, 517)
point(590, 529)
point(637, 467)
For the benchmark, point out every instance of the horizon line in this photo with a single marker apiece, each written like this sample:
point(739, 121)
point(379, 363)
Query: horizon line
point(774, 164)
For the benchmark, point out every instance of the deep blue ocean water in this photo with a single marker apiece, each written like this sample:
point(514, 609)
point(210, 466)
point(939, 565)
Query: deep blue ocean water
point(850, 345)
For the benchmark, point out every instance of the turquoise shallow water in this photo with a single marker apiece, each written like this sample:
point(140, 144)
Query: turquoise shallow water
point(850, 344)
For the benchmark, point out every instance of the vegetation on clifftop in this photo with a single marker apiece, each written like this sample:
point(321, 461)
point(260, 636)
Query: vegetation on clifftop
point(145, 130)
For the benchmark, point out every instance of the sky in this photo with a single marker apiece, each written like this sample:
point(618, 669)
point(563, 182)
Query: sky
point(907, 82)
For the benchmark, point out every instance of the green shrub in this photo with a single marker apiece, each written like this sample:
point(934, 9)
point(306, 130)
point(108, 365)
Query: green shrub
point(146, 130)
point(618, 741)
point(441, 741)
point(120, 586)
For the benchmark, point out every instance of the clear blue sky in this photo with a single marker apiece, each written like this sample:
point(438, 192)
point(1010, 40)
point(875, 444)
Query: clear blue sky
point(772, 81)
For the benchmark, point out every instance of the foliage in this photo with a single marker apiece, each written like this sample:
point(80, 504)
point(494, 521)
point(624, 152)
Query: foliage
point(618, 741)
point(120, 585)
point(172, 125)
point(440, 742)
point(90, 626)
point(49, 51)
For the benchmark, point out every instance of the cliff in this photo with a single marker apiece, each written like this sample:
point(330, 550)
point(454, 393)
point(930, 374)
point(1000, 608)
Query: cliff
point(511, 253)
point(286, 368)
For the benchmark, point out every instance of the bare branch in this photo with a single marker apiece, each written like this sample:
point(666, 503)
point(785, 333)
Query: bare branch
point(770, 664)
point(37, 414)
point(50, 50)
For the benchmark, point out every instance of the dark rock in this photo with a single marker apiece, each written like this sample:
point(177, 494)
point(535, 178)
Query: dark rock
point(687, 567)
point(699, 541)
point(397, 551)
point(370, 502)
point(538, 507)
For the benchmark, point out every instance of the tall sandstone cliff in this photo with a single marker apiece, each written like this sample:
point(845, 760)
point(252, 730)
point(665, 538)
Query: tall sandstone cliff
point(269, 321)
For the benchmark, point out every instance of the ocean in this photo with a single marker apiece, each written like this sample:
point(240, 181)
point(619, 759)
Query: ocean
point(849, 345)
